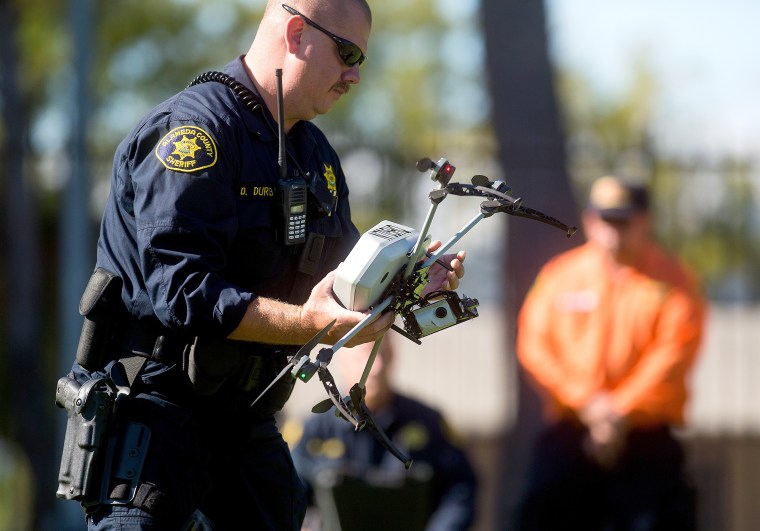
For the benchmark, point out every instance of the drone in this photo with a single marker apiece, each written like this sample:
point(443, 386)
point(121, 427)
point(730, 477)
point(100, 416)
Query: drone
point(387, 271)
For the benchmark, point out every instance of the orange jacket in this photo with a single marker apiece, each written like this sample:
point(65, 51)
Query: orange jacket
point(632, 332)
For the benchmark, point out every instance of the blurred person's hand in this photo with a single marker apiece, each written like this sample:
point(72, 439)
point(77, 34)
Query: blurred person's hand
point(607, 431)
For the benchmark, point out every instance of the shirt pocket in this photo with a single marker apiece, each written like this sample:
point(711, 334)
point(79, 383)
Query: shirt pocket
point(255, 257)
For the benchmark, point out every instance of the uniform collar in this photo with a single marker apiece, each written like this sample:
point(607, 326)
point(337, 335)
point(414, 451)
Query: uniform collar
point(255, 121)
point(258, 123)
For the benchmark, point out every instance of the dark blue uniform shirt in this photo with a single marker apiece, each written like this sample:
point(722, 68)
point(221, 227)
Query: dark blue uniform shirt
point(191, 219)
point(191, 226)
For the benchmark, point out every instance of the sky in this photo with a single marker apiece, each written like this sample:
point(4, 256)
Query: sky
point(705, 55)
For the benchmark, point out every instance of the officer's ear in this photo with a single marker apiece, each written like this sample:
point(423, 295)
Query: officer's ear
point(293, 34)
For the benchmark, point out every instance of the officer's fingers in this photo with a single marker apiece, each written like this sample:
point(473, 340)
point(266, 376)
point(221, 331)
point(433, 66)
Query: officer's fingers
point(368, 332)
point(380, 326)
point(377, 328)
point(434, 245)
point(458, 267)
point(326, 284)
point(322, 290)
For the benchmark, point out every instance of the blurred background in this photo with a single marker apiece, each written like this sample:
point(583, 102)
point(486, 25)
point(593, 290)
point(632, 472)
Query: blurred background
point(546, 95)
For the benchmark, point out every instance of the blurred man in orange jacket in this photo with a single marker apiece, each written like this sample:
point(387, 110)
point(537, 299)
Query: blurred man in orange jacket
point(609, 334)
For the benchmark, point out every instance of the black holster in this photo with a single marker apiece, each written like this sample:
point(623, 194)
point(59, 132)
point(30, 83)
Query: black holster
point(101, 306)
point(90, 408)
point(97, 466)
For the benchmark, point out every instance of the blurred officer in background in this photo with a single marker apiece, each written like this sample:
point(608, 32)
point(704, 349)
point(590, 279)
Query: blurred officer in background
point(437, 493)
point(213, 266)
point(609, 334)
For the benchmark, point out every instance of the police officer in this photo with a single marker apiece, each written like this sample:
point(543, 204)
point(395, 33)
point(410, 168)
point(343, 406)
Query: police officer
point(222, 277)
point(437, 493)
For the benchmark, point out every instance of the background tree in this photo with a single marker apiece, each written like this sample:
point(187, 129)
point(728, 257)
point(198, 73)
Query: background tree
point(27, 420)
point(531, 143)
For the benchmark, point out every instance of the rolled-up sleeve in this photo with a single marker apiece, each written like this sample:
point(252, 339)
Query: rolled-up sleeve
point(185, 223)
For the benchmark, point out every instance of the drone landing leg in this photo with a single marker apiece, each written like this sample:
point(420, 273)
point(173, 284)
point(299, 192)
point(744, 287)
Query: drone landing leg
point(370, 362)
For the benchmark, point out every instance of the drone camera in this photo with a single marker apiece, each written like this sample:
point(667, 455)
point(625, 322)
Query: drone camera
point(440, 314)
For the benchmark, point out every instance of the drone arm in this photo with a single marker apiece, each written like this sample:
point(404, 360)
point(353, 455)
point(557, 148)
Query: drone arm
point(458, 236)
point(441, 173)
point(371, 316)
point(417, 250)
point(536, 215)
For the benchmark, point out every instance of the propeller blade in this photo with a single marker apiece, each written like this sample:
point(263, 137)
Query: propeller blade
point(303, 351)
point(382, 438)
point(480, 180)
point(424, 164)
point(323, 407)
point(283, 372)
point(313, 342)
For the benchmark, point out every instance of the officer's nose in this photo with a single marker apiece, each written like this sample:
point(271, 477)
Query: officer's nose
point(351, 75)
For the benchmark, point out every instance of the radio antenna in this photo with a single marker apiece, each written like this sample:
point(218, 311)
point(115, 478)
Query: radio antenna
point(281, 158)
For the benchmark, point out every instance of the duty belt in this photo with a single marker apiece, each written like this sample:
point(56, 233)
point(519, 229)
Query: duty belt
point(209, 363)
point(139, 340)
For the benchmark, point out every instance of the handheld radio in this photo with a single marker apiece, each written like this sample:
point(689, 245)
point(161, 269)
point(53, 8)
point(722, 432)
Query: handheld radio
point(293, 192)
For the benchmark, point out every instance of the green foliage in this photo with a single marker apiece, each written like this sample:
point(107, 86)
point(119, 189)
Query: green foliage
point(15, 489)
point(43, 45)
point(706, 211)
point(144, 51)
point(713, 222)
point(607, 134)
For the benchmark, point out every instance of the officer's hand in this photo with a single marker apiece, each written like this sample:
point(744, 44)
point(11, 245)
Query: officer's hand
point(441, 278)
point(322, 308)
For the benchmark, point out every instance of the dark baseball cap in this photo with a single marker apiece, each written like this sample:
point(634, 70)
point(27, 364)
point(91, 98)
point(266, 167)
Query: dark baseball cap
point(614, 198)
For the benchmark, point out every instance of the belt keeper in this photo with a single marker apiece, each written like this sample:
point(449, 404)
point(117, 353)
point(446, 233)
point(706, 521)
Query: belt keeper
point(253, 373)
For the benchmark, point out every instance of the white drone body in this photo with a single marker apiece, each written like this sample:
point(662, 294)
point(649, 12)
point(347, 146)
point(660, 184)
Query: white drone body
point(381, 252)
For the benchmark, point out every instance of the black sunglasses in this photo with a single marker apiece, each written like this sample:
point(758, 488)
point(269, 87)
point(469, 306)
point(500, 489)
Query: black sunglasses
point(350, 53)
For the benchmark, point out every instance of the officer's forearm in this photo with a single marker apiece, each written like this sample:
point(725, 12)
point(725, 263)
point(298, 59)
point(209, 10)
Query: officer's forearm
point(271, 321)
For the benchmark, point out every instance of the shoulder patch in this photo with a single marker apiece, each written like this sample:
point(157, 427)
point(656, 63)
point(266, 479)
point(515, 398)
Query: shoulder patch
point(187, 149)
